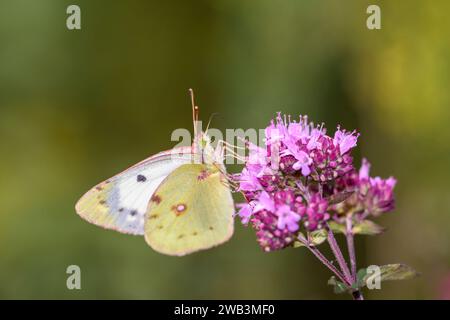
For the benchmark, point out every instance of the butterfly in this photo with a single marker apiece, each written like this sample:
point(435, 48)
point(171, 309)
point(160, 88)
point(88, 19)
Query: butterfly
point(179, 200)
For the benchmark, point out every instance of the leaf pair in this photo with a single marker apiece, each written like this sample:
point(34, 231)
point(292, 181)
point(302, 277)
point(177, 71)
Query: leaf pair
point(314, 238)
point(368, 277)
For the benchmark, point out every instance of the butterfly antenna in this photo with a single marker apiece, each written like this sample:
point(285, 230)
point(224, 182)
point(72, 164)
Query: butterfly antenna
point(209, 121)
point(194, 112)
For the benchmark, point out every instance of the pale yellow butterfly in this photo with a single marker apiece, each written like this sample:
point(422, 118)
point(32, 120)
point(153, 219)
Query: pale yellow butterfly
point(179, 199)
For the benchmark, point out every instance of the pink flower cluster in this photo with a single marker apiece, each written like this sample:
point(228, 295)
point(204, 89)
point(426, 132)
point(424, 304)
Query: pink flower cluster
point(368, 196)
point(290, 182)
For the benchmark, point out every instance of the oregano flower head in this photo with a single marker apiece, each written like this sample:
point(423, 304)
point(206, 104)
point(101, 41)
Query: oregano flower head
point(292, 182)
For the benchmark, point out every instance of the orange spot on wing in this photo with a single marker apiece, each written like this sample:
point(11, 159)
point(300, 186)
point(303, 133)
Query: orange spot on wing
point(179, 209)
point(156, 199)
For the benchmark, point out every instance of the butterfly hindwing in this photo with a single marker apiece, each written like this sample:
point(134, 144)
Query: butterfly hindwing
point(191, 210)
point(120, 202)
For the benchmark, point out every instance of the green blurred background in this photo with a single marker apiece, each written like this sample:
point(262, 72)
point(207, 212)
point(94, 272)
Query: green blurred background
point(78, 106)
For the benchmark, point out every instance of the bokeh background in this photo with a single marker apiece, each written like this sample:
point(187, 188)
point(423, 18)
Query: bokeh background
point(77, 107)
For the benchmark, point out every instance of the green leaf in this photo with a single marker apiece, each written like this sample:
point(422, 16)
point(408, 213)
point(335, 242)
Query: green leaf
point(389, 272)
point(361, 274)
point(314, 238)
point(367, 227)
point(360, 278)
point(397, 271)
point(336, 227)
point(338, 286)
point(317, 237)
point(298, 243)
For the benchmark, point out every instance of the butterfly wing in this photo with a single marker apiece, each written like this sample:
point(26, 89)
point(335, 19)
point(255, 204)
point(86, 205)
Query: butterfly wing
point(190, 211)
point(120, 202)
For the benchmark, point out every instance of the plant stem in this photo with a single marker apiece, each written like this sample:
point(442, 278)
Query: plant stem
point(324, 260)
point(338, 254)
point(357, 295)
point(351, 245)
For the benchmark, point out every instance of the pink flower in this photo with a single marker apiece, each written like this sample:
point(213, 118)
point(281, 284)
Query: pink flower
point(276, 131)
point(291, 195)
point(245, 212)
point(316, 212)
point(303, 162)
point(371, 195)
point(303, 131)
point(257, 155)
point(314, 142)
point(299, 131)
point(364, 170)
point(268, 235)
point(265, 202)
point(248, 181)
point(287, 218)
point(345, 140)
point(380, 196)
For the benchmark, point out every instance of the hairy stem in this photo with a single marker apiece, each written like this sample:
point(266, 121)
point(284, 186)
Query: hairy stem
point(338, 254)
point(324, 260)
point(351, 245)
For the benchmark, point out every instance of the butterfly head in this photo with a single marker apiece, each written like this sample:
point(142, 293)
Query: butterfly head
point(203, 148)
point(205, 152)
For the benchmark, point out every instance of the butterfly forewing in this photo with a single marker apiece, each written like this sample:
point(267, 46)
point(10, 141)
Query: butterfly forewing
point(120, 202)
point(191, 210)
